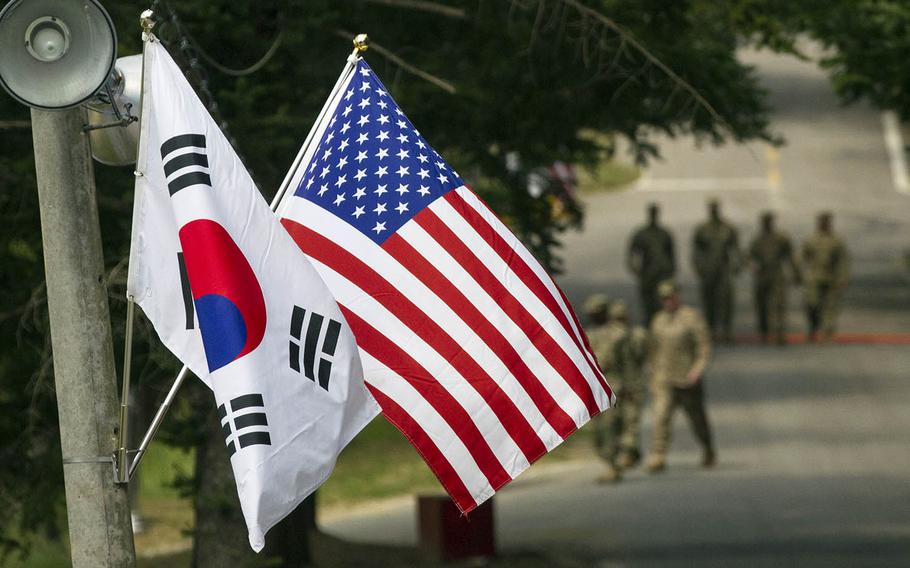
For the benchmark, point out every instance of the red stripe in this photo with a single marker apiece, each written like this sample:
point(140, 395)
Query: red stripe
point(552, 350)
point(389, 354)
point(433, 279)
point(524, 272)
point(352, 268)
point(424, 445)
point(584, 337)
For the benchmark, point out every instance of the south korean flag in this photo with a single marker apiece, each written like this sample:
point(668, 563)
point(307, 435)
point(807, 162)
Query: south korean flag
point(229, 293)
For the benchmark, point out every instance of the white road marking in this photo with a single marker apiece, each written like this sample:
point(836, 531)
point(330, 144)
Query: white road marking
point(894, 143)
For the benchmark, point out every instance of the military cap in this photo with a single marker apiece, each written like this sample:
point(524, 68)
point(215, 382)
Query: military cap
point(597, 303)
point(666, 289)
point(618, 310)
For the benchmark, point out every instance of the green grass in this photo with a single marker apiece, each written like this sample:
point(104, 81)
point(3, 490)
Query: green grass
point(608, 175)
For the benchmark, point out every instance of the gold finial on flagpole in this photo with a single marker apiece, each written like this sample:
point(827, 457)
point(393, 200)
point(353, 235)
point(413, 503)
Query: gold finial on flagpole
point(147, 20)
point(361, 43)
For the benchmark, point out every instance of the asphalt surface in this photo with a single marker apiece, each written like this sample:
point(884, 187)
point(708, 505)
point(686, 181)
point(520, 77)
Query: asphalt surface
point(813, 440)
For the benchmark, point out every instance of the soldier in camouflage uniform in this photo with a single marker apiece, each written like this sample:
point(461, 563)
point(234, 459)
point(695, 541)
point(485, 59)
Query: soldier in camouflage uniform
point(826, 276)
point(652, 259)
point(771, 254)
point(717, 260)
point(680, 349)
point(620, 351)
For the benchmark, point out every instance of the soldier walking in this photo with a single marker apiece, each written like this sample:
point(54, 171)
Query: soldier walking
point(770, 254)
point(652, 259)
point(680, 349)
point(717, 260)
point(827, 274)
point(620, 351)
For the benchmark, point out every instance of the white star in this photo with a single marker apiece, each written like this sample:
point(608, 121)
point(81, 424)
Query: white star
point(402, 207)
point(402, 124)
point(340, 181)
point(420, 144)
point(383, 170)
point(402, 138)
point(382, 104)
point(358, 211)
point(346, 127)
point(382, 153)
point(402, 188)
point(402, 154)
point(364, 71)
point(364, 86)
point(442, 178)
point(441, 165)
point(330, 136)
point(349, 94)
point(380, 227)
point(343, 145)
point(334, 119)
point(322, 189)
point(383, 136)
point(327, 153)
point(347, 111)
point(338, 199)
point(364, 103)
point(383, 119)
point(423, 173)
point(381, 189)
point(313, 166)
point(380, 92)
point(380, 209)
point(361, 156)
point(342, 162)
point(423, 159)
point(360, 174)
point(362, 138)
point(309, 183)
point(398, 110)
point(359, 193)
point(363, 120)
point(424, 190)
point(325, 172)
point(402, 171)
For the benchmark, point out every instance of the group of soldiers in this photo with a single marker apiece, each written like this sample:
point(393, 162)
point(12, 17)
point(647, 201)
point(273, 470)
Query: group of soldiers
point(675, 347)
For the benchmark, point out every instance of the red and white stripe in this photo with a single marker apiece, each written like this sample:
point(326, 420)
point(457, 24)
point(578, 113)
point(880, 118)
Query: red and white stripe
point(468, 345)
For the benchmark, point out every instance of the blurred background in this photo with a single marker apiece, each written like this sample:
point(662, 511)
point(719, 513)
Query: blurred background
point(569, 117)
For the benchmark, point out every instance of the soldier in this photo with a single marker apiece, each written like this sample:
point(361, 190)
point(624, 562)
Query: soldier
point(770, 253)
point(827, 273)
point(680, 349)
point(717, 260)
point(630, 354)
point(652, 259)
point(602, 341)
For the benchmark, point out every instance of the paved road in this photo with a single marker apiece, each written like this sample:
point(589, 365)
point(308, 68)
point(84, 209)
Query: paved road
point(814, 446)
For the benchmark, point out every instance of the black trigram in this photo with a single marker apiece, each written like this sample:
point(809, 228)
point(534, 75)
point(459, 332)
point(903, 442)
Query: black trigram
point(314, 341)
point(186, 168)
point(189, 307)
point(243, 422)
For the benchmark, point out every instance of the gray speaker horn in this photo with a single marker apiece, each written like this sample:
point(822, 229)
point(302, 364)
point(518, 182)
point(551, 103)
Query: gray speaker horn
point(120, 98)
point(56, 54)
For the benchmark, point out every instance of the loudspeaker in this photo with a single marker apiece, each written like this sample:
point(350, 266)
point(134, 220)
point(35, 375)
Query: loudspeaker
point(56, 53)
point(117, 146)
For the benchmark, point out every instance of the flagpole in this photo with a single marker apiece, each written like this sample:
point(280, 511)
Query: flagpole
point(361, 44)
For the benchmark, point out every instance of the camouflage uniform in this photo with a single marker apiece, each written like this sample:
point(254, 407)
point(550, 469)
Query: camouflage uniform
point(716, 256)
point(769, 253)
point(826, 274)
point(652, 259)
point(621, 351)
point(680, 344)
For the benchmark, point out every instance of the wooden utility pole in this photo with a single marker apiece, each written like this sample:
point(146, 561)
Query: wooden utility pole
point(86, 383)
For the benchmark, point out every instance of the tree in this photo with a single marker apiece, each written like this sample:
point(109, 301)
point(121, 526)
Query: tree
point(530, 77)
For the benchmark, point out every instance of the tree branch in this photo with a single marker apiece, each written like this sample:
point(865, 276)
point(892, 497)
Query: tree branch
point(425, 6)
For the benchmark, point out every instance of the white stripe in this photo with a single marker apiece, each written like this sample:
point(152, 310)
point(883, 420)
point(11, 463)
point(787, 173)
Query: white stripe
point(549, 377)
point(474, 202)
point(436, 428)
point(350, 295)
point(515, 286)
point(437, 310)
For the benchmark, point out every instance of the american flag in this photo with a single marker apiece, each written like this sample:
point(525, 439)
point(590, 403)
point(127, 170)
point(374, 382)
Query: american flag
point(468, 345)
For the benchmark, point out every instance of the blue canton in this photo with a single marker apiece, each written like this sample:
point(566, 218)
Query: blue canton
point(372, 168)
